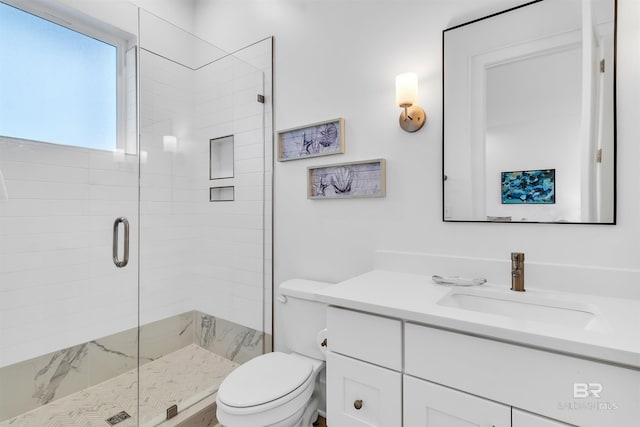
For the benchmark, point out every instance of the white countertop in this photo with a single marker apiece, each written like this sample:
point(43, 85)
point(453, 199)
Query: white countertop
point(613, 338)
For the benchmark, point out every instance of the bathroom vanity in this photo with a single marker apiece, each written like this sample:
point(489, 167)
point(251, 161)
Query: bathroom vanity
point(404, 351)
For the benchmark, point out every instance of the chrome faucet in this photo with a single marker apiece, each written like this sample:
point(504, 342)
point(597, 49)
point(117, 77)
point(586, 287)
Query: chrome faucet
point(517, 271)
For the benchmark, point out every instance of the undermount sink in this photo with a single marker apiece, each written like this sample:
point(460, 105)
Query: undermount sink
point(522, 306)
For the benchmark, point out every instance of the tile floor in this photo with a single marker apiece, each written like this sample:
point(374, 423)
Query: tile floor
point(183, 378)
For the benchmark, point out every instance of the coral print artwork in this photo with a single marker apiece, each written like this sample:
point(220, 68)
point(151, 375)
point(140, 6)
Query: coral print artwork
point(320, 139)
point(358, 179)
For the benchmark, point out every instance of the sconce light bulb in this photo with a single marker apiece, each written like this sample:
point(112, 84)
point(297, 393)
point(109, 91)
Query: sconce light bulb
point(412, 117)
point(406, 89)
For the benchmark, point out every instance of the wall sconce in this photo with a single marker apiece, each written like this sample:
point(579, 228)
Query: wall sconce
point(413, 117)
point(170, 143)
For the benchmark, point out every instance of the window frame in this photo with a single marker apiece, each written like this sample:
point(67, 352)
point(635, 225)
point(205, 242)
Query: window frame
point(90, 27)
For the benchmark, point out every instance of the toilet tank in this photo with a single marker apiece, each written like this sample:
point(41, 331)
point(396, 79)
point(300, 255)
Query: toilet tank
point(303, 318)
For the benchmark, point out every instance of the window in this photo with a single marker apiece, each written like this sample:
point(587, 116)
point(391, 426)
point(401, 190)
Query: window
point(57, 85)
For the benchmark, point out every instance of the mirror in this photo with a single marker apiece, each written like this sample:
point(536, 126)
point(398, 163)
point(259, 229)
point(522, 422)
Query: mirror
point(529, 115)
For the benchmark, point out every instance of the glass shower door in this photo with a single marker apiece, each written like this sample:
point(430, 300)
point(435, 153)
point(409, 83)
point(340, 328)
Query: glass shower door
point(133, 275)
point(68, 218)
point(69, 314)
point(202, 210)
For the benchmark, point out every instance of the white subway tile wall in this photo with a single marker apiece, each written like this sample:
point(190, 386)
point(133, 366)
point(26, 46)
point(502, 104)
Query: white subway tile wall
point(197, 254)
point(58, 284)
point(260, 55)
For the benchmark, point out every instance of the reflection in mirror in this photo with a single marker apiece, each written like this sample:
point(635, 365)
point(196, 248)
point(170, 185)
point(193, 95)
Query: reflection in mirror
point(527, 91)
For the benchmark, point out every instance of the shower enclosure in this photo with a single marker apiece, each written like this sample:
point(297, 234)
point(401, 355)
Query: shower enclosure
point(134, 279)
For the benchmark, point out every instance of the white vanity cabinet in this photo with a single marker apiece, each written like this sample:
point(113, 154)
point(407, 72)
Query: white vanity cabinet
point(525, 419)
point(426, 404)
point(560, 387)
point(362, 394)
point(364, 362)
point(390, 372)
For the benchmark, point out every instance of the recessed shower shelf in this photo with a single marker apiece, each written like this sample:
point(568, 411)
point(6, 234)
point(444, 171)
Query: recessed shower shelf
point(221, 162)
point(222, 194)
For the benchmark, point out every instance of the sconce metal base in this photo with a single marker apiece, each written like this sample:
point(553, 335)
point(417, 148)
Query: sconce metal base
point(415, 121)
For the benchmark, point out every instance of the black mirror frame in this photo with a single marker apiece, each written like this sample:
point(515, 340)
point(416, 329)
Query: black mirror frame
point(615, 124)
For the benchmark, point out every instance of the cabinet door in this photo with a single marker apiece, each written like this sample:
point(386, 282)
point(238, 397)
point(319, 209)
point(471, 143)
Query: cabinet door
point(527, 419)
point(430, 405)
point(367, 337)
point(362, 395)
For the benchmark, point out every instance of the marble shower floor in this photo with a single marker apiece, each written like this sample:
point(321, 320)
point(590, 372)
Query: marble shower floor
point(183, 378)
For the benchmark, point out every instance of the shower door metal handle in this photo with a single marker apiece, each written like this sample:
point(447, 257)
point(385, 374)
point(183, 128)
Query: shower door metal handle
point(116, 226)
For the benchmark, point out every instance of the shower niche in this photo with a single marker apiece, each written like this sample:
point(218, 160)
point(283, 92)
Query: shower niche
point(221, 157)
point(221, 167)
point(222, 194)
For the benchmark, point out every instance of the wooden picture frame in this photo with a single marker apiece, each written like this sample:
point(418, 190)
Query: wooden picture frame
point(347, 180)
point(314, 140)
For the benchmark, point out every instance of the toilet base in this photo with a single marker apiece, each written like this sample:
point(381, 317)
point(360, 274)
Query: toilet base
point(310, 415)
point(304, 417)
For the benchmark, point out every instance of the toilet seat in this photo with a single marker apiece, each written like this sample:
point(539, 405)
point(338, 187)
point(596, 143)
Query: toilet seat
point(283, 382)
point(264, 379)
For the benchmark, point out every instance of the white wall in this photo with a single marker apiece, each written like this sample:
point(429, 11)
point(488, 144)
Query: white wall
point(339, 59)
point(122, 13)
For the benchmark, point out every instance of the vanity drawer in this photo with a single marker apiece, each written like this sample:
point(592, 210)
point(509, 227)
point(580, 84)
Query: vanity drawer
point(432, 405)
point(525, 419)
point(360, 394)
point(366, 337)
point(554, 385)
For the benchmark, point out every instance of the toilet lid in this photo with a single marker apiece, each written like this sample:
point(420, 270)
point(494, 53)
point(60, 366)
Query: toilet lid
point(264, 379)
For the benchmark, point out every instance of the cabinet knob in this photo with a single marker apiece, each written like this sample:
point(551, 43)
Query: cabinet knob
point(357, 404)
point(323, 343)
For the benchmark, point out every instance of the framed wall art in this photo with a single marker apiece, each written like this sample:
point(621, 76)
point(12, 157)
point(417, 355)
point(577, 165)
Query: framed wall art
point(529, 187)
point(347, 180)
point(318, 139)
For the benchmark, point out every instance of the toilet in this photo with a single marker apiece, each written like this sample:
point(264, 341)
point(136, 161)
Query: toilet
point(281, 389)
